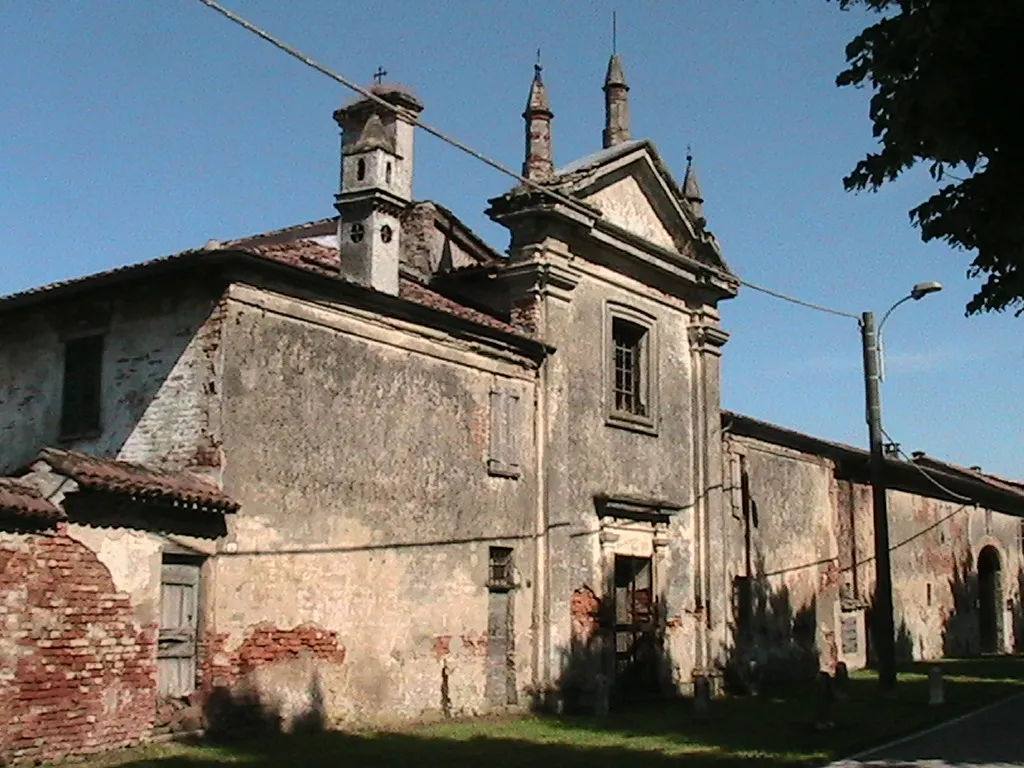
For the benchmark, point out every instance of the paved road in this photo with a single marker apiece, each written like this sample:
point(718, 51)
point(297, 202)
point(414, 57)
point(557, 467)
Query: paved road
point(993, 737)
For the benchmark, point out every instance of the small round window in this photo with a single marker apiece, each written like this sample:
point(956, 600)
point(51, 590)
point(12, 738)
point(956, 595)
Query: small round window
point(357, 232)
point(386, 233)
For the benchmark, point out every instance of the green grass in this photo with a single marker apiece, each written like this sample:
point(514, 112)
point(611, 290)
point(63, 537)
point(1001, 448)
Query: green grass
point(776, 731)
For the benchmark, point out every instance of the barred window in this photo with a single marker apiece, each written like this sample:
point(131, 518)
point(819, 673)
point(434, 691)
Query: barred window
point(629, 385)
point(500, 575)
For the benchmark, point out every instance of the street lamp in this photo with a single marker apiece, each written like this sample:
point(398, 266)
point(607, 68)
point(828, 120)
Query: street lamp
point(882, 624)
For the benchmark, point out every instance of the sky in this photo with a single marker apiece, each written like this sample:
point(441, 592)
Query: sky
point(133, 130)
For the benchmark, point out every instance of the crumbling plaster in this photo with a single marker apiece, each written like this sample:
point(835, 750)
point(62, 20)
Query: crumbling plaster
point(358, 451)
point(807, 517)
point(160, 362)
point(586, 456)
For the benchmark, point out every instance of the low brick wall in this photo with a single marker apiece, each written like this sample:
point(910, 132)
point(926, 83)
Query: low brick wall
point(77, 673)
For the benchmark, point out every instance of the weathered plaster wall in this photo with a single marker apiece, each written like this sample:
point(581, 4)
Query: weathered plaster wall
point(935, 574)
point(159, 377)
point(813, 545)
point(358, 449)
point(588, 456)
point(77, 667)
point(783, 540)
point(625, 203)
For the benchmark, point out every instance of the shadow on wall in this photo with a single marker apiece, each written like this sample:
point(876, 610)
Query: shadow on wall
point(1018, 614)
point(773, 645)
point(145, 360)
point(244, 711)
point(977, 623)
point(960, 625)
point(617, 654)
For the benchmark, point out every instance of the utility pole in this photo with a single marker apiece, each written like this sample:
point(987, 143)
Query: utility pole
point(882, 625)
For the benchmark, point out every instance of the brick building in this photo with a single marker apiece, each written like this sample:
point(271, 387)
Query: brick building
point(370, 467)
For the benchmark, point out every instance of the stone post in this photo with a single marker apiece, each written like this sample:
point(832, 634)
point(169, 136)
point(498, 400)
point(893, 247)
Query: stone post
point(936, 688)
point(701, 697)
point(824, 696)
point(842, 682)
point(601, 695)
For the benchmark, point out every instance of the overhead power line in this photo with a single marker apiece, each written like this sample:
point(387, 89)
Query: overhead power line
point(928, 476)
point(554, 194)
point(801, 302)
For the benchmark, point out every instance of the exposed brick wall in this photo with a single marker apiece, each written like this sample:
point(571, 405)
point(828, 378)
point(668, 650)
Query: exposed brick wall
point(264, 645)
point(77, 674)
point(160, 379)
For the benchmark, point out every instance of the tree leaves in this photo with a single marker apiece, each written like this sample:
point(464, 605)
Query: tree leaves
point(947, 81)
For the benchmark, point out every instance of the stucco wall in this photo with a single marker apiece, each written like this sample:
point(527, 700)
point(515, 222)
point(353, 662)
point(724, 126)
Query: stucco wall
point(935, 575)
point(159, 371)
point(358, 451)
point(783, 540)
point(588, 456)
point(813, 544)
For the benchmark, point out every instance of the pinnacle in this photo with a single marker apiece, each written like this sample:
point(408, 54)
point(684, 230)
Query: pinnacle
point(538, 100)
point(616, 72)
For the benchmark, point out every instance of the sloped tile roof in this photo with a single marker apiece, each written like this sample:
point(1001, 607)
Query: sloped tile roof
point(299, 252)
point(421, 294)
point(23, 500)
point(322, 259)
point(999, 483)
point(94, 473)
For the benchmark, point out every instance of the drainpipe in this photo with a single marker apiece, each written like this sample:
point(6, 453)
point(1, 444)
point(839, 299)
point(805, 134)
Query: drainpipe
point(697, 432)
point(541, 622)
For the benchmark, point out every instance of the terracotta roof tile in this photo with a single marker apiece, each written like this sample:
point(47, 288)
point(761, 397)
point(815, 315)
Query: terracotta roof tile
point(23, 500)
point(1000, 483)
point(95, 473)
point(306, 254)
point(421, 294)
point(322, 259)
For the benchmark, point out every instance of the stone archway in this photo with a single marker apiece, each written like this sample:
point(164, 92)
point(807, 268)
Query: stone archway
point(990, 600)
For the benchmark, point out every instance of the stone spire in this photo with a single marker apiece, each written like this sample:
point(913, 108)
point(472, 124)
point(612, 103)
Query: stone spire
point(616, 104)
point(691, 188)
point(539, 164)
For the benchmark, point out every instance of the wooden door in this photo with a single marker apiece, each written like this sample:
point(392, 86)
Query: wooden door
point(179, 614)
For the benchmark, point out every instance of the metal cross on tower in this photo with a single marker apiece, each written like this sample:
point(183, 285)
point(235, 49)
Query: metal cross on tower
point(379, 75)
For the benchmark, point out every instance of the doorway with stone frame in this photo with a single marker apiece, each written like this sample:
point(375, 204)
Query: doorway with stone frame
point(990, 600)
point(633, 540)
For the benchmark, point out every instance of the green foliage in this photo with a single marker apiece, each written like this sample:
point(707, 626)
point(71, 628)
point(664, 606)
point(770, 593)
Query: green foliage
point(946, 76)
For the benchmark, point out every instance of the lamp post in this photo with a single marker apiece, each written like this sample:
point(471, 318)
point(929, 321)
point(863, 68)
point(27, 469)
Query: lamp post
point(882, 624)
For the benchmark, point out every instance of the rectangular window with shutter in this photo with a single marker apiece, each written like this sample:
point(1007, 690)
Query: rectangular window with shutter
point(82, 388)
point(504, 460)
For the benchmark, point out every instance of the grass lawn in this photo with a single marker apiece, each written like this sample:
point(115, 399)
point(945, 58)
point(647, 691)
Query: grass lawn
point(769, 731)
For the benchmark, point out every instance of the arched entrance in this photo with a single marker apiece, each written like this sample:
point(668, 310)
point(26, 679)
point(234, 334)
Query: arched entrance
point(990, 601)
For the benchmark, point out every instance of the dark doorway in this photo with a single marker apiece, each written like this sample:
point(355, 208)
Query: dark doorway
point(990, 601)
point(635, 628)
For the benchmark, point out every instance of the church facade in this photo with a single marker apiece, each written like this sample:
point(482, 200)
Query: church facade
point(369, 468)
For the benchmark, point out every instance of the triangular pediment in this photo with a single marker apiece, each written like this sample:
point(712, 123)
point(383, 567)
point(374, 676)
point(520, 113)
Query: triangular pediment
point(634, 191)
point(626, 203)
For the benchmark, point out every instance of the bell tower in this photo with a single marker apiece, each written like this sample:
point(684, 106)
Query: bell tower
point(376, 184)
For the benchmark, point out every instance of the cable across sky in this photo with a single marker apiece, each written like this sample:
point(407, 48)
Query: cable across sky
point(437, 133)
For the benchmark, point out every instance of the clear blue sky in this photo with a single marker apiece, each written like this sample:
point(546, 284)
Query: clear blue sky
point(137, 129)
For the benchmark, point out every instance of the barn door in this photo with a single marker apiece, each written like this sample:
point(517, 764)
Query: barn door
point(179, 613)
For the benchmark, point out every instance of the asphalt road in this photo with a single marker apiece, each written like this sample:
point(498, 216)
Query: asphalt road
point(991, 737)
